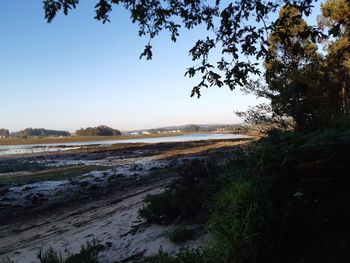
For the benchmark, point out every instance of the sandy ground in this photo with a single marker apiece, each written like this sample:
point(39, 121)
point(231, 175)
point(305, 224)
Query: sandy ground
point(110, 222)
point(107, 212)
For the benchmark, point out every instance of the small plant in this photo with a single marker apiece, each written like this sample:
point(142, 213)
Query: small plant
point(87, 254)
point(50, 256)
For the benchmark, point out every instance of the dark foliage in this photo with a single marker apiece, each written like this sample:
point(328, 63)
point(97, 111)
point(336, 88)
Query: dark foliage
point(186, 198)
point(308, 86)
point(286, 201)
point(281, 202)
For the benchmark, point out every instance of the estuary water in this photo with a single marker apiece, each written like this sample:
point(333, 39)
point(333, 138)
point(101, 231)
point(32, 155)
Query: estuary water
point(52, 147)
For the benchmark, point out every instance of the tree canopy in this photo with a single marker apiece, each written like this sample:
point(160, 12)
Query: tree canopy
point(239, 29)
point(307, 85)
point(305, 80)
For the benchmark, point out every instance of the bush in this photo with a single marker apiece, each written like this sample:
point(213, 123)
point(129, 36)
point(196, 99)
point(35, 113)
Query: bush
point(186, 198)
point(161, 208)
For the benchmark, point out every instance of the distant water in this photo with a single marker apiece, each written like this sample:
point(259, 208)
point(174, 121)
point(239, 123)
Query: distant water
point(52, 147)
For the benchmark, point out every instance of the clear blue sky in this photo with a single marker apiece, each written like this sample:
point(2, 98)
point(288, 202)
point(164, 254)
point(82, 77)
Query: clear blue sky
point(76, 72)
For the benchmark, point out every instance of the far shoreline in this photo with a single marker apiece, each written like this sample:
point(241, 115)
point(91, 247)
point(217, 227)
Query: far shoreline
point(68, 139)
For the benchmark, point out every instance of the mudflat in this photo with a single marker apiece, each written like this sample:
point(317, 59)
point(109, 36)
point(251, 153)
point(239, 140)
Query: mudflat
point(63, 199)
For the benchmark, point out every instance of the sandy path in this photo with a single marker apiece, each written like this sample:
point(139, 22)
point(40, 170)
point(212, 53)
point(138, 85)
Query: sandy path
point(111, 222)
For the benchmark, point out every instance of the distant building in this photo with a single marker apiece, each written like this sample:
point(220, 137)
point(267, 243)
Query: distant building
point(134, 133)
point(146, 132)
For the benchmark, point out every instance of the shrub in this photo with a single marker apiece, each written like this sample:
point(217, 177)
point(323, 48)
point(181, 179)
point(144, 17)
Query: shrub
point(187, 197)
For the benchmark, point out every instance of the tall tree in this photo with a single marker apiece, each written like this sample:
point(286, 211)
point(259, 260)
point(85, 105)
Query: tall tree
point(310, 87)
point(292, 57)
point(336, 17)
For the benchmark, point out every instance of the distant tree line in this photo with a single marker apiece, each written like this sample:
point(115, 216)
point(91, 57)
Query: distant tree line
point(202, 128)
point(211, 128)
point(191, 128)
point(39, 132)
point(4, 133)
point(98, 131)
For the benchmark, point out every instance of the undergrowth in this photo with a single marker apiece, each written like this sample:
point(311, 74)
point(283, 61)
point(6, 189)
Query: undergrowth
point(87, 254)
point(187, 198)
point(283, 201)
